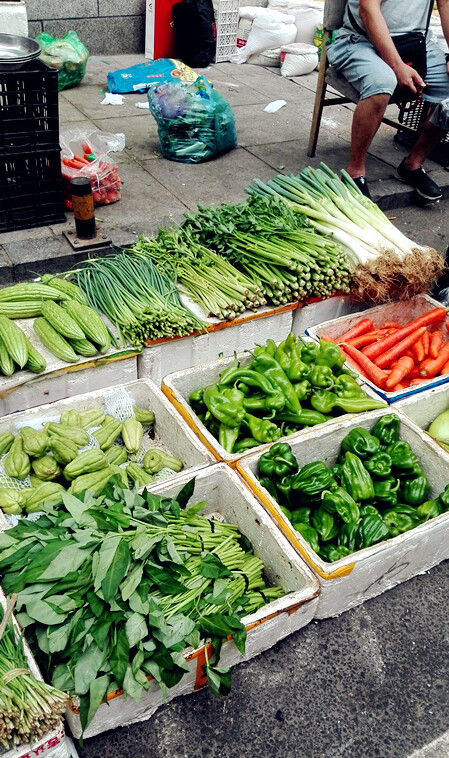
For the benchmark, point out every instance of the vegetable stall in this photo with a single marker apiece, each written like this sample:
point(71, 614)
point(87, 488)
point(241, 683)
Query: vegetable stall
point(153, 539)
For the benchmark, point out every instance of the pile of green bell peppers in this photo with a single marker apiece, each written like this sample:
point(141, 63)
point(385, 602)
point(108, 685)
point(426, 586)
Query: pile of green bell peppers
point(375, 490)
point(285, 388)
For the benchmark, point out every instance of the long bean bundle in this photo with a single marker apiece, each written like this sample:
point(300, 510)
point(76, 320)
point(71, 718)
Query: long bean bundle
point(141, 301)
point(29, 708)
point(383, 261)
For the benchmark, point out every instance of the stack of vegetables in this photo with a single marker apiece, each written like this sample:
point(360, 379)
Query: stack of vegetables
point(285, 388)
point(29, 708)
point(395, 356)
point(112, 589)
point(384, 262)
point(64, 323)
point(376, 490)
point(40, 465)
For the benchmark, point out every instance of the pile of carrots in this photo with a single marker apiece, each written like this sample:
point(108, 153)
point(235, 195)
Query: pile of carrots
point(104, 178)
point(395, 356)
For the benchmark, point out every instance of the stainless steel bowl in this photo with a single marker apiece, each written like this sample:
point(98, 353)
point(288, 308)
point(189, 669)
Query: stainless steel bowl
point(15, 51)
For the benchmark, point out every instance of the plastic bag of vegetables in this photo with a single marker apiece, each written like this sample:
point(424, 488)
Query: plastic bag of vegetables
point(195, 123)
point(68, 55)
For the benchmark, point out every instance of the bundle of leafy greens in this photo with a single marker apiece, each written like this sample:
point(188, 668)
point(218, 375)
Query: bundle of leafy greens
point(113, 588)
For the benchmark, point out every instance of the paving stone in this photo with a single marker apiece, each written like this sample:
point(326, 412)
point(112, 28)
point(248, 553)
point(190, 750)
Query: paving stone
point(140, 134)
point(87, 99)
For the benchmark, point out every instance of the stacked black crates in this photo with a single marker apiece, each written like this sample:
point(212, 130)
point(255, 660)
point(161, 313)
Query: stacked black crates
point(30, 164)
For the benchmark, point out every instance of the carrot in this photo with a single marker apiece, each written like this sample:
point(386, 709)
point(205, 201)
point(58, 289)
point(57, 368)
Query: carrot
point(418, 350)
point(400, 371)
point(366, 339)
point(363, 326)
point(447, 325)
point(73, 163)
point(445, 369)
point(436, 340)
point(400, 386)
point(431, 317)
point(372, 371)
point(85, 147)
point(430, 367)
point(426, 343)
point(415, 382)
point(415, 373)
point(327, 338)
point(409, 354)
point(80, 159)
point(397, 350)
point(392, 324)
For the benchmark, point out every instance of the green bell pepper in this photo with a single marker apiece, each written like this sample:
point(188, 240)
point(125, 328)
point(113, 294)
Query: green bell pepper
point(386, 491)
point(270, 368)
point(284, 489)
point(321, 377)
point(397, 522)
point(323, 523)
point(379, 465)
point(443, 498)
point(276, 402)
point(347, 536)
point(313, 478)
point(309, 533)
point(227, 436)
point(360, 442)
point(196, 401)
point(270, 487)
point(371, 530)
point(403, 459)
point(414, 491)
point(302, 514)
point(346, 386)
point(268, 349)
point(288, 355)
point(261, 429)
point(225, 404)
point(429, 509)
point(339, 501)
point(332, 553)
point(302, 390)
point(325, 401)
point(336, 471)
point(286, 512)
point(278, 461)
point(329, 355)
point(309, 352)
point(386, 429)
point(355, 478)
point(369, 510)
point(303, 418)
point(246, 443)
point(251, 378)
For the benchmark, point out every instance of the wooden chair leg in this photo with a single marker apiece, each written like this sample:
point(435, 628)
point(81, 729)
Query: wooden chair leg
point(319, 99)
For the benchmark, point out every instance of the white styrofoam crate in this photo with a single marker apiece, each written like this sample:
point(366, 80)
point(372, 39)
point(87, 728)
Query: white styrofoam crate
point(403, 312)
point(175, 355)
point(86, 376)
point(54, 744)
point(314, 313)
point(178, 386)
point(170, 432)
point(368, 572)
point(224, 493)
point(424, 408)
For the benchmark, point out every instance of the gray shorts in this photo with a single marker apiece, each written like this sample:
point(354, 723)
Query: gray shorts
point(355, 58)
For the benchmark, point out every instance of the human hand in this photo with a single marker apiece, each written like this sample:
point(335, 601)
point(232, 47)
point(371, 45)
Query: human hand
point(409, 79)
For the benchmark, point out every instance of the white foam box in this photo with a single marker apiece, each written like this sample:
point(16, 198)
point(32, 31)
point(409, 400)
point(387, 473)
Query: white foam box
point(224, 493)
point(178, 386)
point(422, 409)
point(369, 572)
point(315, 312)
point(54, 744)
point(24, 390)
point(170, 431)
point(223, 339)
point(402, 312)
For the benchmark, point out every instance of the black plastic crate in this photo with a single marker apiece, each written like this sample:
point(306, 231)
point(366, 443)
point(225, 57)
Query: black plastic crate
point(29, 116)
point(412, 118)
point(30, 189)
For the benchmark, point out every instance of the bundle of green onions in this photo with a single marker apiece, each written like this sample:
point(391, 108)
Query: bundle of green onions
point(384, 262)
point(141, 301)
point(207, 278)
point(29, 708)
point(274, 246)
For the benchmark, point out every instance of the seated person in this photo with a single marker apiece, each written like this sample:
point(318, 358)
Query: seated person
point(365, 54)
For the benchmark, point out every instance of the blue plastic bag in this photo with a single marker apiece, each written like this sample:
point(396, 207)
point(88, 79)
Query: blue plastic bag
point(141, 76)
point(195, 123)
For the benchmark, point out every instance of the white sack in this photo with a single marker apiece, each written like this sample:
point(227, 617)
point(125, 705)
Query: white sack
point(298, 59)
point(270, 29)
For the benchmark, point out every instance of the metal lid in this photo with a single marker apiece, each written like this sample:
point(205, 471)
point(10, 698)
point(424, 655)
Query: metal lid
point(15, 51)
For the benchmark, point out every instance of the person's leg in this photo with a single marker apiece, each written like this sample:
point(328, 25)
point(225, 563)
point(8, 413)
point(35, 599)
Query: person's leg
point(429, 138)
point(365, 123)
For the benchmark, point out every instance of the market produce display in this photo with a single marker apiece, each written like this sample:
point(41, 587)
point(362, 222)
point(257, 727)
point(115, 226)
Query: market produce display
point(384, 263)
point(376, 490)
point(395, 356)
point(439, 429)
point(113, 588)
point(29, 708)
point(83, 451)
point(285, 387)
